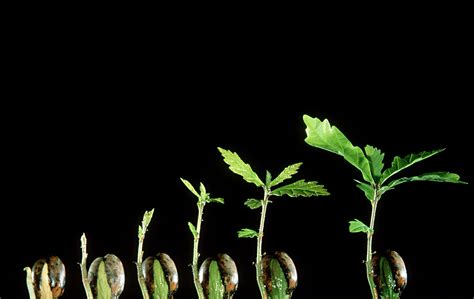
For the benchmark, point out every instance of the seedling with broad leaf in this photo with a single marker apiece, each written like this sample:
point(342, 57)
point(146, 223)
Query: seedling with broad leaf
point(295, 189)
point(375, 179)
point(203, 199)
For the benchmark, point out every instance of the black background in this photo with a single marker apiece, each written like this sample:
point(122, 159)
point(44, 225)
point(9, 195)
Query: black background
point(99, 129)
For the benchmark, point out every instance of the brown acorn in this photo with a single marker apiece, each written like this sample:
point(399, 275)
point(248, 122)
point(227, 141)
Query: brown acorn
point(228, 273)
point(390, 273)
point(270, 278)
point(54, 271)
point(169, 269)
point(115, 275)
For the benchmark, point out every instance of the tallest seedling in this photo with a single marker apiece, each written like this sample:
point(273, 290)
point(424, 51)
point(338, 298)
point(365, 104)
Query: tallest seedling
point(375, 179)
point(296, 189)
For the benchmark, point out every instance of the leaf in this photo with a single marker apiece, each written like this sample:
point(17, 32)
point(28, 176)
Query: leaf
point(217, 199)
point(398, 164)
point(239, 167)
point(367, 189)
point(192, 229)
point(216, 287)
point(375, 157)
point(287, 173)
point(253, 203)
point(268, 178)
point(357, 226)
point(247, 233)
point(190, 187)
point(202, 189)
point(322, 135)
point(441, 177)
point(103, 287)
point(301, 188)
point(160, 282)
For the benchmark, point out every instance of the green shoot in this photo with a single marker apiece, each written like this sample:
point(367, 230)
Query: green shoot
point(203, 198)
point(296, 189)
point(376, 180)
point(142, 229)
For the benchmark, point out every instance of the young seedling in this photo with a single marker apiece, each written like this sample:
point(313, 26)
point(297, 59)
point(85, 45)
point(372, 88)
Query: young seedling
point(83, 265)
point(142, 229)
point(203, 199)
point(296, 189)
point(375, 179)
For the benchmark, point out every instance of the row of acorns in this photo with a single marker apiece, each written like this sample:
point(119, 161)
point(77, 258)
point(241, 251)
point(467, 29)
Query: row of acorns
point(160, 273)
point(49, 276)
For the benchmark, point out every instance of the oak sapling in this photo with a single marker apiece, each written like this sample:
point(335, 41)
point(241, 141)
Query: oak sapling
point(375, 179)
point(203, 199)
point(295, 189)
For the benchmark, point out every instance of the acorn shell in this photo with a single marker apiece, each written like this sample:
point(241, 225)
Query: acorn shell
point(288, 267)
point(56, 275)
point(397, 266)
point(114, 271)
point(228, 271)
point(169, 269)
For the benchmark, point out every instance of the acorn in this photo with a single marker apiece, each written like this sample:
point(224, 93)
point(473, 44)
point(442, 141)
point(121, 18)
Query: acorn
point(219, 277)
point(279, 275)
point(390, 274)
point(106, 277)
point(161, 276)
point(49, 277)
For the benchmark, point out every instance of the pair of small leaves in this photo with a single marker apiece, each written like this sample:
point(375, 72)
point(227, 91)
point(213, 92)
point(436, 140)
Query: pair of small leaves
point(203, 196)
point(145, 222)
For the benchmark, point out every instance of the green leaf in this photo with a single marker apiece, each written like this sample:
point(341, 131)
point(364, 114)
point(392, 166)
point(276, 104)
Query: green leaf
point(375, 157)
point(217, 199)
point(287, 173)
point(247, 233)
point(322, 135)
point(216, 288)
point(202, 189)
point(190, 187)
point(192, 229)
point(367, 189)
point(161, 284)
point(388, 282)
point(441, 177)
point(103, 288)
point(239, 167)
point(301, 188)
point(279, 281)
point(268, 178)
point(398, 164)
point(357, 226)
point(253, 203)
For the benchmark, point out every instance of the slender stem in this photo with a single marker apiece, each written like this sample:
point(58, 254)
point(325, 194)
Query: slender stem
point(83, 265)
point(370, 235)
point(197, 284)
point(141, 278)
point(29, 283)
point(258, 262)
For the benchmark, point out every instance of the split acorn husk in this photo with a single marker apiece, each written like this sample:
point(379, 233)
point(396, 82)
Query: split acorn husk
point(219, 277)
point(279, 275)
point(49, 277)
point(161, 276)
point(106, 277)
point(390, 274)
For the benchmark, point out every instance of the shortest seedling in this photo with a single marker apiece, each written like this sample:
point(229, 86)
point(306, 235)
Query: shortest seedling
point(47, 279)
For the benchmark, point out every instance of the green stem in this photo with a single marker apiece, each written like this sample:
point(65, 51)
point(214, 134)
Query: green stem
point(141, 278)
point(83, 265)
point(258, 263)
point(29, 283)
point(370, 235)
point(197, 284)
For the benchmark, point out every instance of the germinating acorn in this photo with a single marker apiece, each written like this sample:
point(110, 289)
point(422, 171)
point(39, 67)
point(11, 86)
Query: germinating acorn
point(219, 277)
point(49, 277)
point(161, 275)
point(279, 275)
point(106, 277)
point(390, 274)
